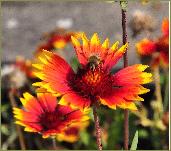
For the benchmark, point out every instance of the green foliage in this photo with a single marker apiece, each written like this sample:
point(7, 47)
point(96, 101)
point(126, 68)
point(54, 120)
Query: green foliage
point(134, 141)
point(74, 63)
point(91, 115)
point(4, 129)
point(85, 137)
point(143, 133)
point(115, 130)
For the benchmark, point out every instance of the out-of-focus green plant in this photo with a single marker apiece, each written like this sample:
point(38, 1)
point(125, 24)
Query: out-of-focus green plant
point(134, 141)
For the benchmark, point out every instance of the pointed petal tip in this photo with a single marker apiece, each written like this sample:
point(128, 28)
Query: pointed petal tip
point(95, 39)
point(85, 39)
point(126, 45)
point(27, 96)
point(115, 46)
point(75, 41)
point(123, 48)
point(142, 67)
point(106, 43)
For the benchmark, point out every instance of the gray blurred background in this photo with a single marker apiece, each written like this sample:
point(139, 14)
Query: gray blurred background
point(23, 23)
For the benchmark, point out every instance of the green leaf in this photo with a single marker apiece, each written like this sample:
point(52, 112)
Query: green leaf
point(84, 136)
point(4, 107)
point(74, 63)
point(135, 141)
point(4, 130)
point(91, 115)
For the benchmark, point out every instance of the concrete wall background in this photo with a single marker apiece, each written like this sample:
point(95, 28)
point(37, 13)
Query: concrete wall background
point(24, 22)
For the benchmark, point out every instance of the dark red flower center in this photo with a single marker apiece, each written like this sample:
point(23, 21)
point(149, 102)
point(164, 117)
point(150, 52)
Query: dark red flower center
point(51, 120)
point(92, 81)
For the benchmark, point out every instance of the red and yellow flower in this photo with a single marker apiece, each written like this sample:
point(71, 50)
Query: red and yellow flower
point(93, 81)
point(72, 133)
point(44, 115)
point(44, 46)
point(57, 39)
point(157, 49)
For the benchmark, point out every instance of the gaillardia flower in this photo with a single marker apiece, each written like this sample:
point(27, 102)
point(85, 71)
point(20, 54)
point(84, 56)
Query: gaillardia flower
point(57, 39)
point(44, 115)
point(157, 49)
point(93, 81)
point(44, 46)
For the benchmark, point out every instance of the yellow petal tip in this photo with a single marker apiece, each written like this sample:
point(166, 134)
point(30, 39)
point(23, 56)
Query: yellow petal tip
point(75, 41)
point(95, 39)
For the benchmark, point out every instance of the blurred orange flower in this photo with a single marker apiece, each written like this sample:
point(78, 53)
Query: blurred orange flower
point(93, 81)
point(157, 49)
point(44, 46)
point(57, 39)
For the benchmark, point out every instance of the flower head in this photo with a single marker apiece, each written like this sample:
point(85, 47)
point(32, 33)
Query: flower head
point(57, 39)
point(45, 116)
point(93, 81)
point(158, 49)
point(44, 46)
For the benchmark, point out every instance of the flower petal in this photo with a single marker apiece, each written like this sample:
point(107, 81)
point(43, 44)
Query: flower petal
point(95, 40)
point(48, 102)
point(146, 47)
point(24, 116)
point(51, 132)
point(114, 46)
point(29, 126)
point(132, 75)
point(105, 44)
point(54, 71)
point(31, 104)
point(75, 100)
point(165, 27)
point(113, 57)
point(124, 97)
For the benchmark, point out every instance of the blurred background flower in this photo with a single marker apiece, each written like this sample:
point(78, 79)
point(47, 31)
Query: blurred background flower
point(157, 49)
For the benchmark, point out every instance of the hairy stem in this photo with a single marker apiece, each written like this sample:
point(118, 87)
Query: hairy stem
point(97, 127)
point(18, 128)
point(126, 129)
point(156, 73)
point(124, 38)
